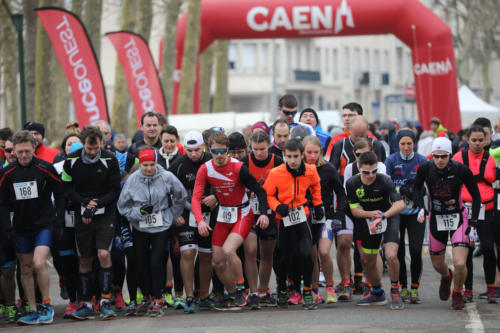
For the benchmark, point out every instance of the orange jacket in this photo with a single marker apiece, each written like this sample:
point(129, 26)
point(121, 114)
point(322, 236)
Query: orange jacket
point(283, 188)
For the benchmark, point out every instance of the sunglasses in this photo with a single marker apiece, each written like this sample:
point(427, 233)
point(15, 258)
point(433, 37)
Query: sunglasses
point(218, 129)
point(217, 151)
point(438, 156)
point(369, 172)
point(8, 150)
point(289, 113)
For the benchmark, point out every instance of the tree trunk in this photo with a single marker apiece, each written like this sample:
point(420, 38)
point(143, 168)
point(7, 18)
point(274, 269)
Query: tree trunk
point(10, 67)
point(206, 71)
point(92, 20)
point(121, 98)
point(44, 85)
point(30, 35)
point(169, 50)
point(221, 97)
point(144, 29)
point(190, 57)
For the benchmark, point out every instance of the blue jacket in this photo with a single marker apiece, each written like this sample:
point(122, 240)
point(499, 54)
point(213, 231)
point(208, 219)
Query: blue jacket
point(321, 135)
point(403, 172)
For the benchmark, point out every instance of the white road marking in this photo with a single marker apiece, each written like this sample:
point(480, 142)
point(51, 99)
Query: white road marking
point(475, 324)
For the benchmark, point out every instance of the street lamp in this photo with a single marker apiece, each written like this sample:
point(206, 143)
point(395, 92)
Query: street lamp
point(17, 21)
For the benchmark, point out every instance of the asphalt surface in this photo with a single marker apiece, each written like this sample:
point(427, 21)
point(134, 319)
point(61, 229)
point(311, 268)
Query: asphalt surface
point(432, 315)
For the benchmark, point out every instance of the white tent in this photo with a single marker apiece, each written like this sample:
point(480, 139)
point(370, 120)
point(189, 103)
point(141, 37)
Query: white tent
point(472, 107)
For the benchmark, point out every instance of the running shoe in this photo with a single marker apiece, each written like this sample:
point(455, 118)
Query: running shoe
point(318, 298)
point(144, 307)
point(405, 294)
point(179, 303)
point(106, 311)
point(283, 299)
point(492, 298)
point(482, 295)
point(206, 303)
point(131, 309)
point(157, 310)
point(69, 310)
point(468, 297)
point(46, 312)
point(445, 287)
point(308, 300)
point(240, 299)
point(331, 297)
point(168, 300)
point(414, 297)
point(396, 300)
point(497, 292)
point(295, 298)
point(83, 313)
point(229, 305)
point(372, 299)
point(218, 299)
point(11, 314)
point(268, 300)
point(457, 302)
point(63, 291)
point(358, 288)
point(254, 301)
point(367, 289)
point(31, 318)
point(190, 306)
point(119, 302)
point(345, 293)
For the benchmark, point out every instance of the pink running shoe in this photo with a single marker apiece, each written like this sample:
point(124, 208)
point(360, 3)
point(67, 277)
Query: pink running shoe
point(295, 298)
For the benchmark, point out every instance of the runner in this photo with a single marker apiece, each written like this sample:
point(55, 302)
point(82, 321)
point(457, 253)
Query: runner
point(281, 132)
point(376, 205)
point(483, 168)
point(260, 162)
point(286, 188)
point(310, 117)
point(323, 233)
point(448, 219)
point(42, 151)
point(150, 125)
point(228, 178)
point(402, 167)
point(92, 178)
point(151, 200)
point(26, 188)
point(190, 242)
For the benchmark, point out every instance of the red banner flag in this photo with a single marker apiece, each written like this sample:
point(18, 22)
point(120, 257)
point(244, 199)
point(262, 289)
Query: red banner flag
point(140, 71)
point(74, 51)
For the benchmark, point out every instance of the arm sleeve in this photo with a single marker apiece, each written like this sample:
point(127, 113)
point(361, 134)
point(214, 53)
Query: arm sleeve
point(69, 187)
point(57, 187)
point(179, 195)
point(352, 199)
point(271, 191)
point(380, 151)
point(468, 179)
point(199, 189)
point(388, 166)
point(113, 184)
point(315, 188)
point(129, 163)
point(340, 194)
point(418, 192)
point(126, 205)
point(251, 183)
point(394, 195)
point(336, 154)
point(4, 205)
point(347, 173)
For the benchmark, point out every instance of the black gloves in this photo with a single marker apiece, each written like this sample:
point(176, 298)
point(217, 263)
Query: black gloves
point(147, 210)
point(89, 213)
point(318, 212)
point(85, 201)
point(407, 191)
point(282, 210)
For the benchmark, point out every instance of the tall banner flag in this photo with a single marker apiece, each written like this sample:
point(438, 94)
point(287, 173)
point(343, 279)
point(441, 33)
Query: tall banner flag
point(140, 71)
point(74, 51)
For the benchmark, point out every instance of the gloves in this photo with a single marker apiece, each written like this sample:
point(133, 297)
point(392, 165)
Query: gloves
point(421, 213)
point(85, 201)
point(282, 210)
point(472, 225)
point(406, 190)
point(473, 237)
point(337, 225)
point(89, 213)
point(318, 212)
point(147, 210)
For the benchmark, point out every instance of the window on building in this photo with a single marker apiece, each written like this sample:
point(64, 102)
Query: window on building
point(386, 62)
point(263, 58)
point(327, 60)
point(376, 69)
point(356, 65)
point(399, 64)
point(298, 64)
point(367, 60)
point(249, 57)
point(317, 59)
point(347, 61)
point(335, 65)
point(232, 55)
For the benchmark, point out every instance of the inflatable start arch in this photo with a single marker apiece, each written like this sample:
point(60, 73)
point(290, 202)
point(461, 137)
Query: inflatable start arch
point(428, 37)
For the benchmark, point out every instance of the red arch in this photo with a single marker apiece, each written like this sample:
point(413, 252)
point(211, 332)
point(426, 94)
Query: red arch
point(428, 37)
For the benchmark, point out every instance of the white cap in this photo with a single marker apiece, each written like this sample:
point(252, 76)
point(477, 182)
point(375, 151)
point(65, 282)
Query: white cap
point(193, 139)
point(443, 144)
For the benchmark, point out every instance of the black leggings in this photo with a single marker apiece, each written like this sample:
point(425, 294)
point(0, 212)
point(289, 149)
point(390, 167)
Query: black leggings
point(489, 234)
point(68, 262)
point(119, 269)
point(150, 261)
point(295, 248)
point(416, 232)
point(131, 273)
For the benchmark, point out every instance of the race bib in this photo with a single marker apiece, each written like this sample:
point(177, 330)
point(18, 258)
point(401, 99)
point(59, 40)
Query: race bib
point(192, 220)
point(381, 227)
point(482, 211)
point(26, 190)
point(151, 221)
point(254, 202)
point(316, 221)
point(227, 214)
point(447, 222)
point(69, 219)
point(99, 211)
point(295, 216)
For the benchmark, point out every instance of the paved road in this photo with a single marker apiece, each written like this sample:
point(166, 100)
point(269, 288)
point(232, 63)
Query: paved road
point(432, 315)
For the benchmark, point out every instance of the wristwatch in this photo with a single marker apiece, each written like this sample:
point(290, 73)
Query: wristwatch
point(382, 214)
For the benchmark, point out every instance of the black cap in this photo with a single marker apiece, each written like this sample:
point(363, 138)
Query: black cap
point(237, 141)
point(312, 111)
point(32, 126)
